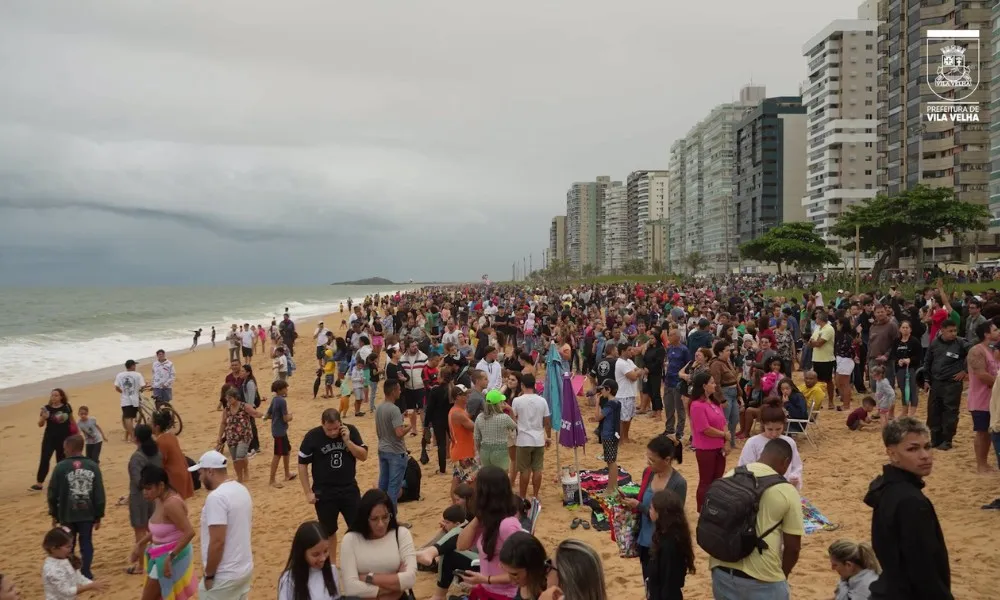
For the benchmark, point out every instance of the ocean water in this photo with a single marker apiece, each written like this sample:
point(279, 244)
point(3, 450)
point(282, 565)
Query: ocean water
point(49, 332)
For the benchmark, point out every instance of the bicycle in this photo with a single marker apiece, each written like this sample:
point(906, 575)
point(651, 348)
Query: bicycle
point(147, 406)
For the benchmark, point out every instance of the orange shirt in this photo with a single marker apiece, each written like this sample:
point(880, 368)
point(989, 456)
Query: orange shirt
point(462, 441)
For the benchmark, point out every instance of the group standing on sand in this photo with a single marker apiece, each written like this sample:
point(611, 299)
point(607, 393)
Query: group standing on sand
point(705, 351)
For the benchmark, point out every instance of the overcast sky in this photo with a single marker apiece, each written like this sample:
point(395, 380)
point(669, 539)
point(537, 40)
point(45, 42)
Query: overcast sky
point(257, 141)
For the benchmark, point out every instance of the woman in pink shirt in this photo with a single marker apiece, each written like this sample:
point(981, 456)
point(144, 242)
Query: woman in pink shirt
point(709, 433)
point(495, 520)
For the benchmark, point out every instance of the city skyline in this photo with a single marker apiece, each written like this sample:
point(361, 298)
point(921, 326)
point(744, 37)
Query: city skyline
point(860, 125)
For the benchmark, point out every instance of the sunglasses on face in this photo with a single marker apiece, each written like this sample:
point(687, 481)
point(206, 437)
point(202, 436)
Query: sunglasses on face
point(550, 566)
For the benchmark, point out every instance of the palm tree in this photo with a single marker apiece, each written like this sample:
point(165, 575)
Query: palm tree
point(694, 261)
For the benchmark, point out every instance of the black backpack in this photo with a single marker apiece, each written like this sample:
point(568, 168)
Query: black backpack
point(411, 477)
point(727, 526)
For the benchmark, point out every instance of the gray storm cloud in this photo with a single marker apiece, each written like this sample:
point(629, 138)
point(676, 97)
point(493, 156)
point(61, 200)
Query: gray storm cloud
point(431, 140)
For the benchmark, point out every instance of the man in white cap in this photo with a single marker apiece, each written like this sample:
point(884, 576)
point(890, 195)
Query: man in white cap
point(227, 558)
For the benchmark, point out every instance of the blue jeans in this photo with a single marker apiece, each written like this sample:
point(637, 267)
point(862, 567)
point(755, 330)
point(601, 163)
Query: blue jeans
point(391, 468)
point(730, 587)
point(732, 396)
point(84, 532)
point(996, 445)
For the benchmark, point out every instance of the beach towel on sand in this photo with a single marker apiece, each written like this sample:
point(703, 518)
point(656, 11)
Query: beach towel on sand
point(814, 520)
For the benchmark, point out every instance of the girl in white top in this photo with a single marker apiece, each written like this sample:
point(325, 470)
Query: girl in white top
point(377, 559)
point(61, 578)
point(308, 574)
point(773, 420)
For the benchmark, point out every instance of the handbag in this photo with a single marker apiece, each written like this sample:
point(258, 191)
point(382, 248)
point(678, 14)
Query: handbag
point(682, 386)
point(73, 429)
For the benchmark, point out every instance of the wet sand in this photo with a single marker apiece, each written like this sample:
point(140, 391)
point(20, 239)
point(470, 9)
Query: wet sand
point(836, 477)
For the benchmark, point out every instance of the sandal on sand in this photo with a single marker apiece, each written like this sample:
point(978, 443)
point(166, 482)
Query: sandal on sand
point(585, 524)
point(134, 570)
point(431, 568)
point(36, 488)
point(122, 501)
point(576, 523)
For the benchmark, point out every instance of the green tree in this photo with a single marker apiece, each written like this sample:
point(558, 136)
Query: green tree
point(890, 226)
point(589, 270)
point(634, 266)
point(795, 244)
point(694, 261)
point(657, 266)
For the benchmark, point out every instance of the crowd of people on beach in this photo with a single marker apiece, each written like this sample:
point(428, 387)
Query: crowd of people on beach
point(463, 368)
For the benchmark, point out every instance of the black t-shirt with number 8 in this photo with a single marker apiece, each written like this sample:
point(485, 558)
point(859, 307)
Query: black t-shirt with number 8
point(333, 466)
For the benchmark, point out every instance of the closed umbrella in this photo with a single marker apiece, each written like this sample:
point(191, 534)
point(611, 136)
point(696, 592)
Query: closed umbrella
point(572, 431)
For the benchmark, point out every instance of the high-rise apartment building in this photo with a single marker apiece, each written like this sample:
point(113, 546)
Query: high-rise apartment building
point(995, 120)
point(700, 205)
point(912, 150)
point(614, 252)
point(770, 166)
point(584, 223)
point(840, 99)
point(557, 241)
point(647, 201)
point(657, 251)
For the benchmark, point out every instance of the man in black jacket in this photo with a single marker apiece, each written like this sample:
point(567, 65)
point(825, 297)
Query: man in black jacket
point(945, 363)
point(76, 498)
point(906, 535)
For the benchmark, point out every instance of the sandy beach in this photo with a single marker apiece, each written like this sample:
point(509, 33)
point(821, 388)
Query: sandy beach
point(836, 476)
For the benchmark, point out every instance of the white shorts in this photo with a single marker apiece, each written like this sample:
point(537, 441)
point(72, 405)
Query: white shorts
point(845, 366)
point(628, 408)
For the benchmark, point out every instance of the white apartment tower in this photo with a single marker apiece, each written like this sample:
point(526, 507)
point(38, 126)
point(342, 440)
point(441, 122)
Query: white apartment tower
point(615, 229)
point(840, 100)
point(700, 199)
point(647, 201)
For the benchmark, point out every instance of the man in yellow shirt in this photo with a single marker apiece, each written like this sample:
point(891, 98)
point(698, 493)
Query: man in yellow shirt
point(764, 573)
point(824, 362)
point(814, 391)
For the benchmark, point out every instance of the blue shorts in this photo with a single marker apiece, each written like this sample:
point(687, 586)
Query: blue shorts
point(163, 394)
point(980, 420)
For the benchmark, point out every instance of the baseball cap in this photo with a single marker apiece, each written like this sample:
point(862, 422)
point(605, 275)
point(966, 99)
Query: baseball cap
point(210, 460)
point(461, 388)
point(130, 363)
point(494, 397)
point(611, 385)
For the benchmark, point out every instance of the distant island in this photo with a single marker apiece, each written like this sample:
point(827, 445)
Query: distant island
point(369, 281)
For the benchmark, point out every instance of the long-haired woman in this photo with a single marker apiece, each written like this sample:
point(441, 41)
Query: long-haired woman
point(167, 544)
point(845, 353)
point(495, 520)
point(308, 574)
point(139, 508)
point(174, 462)
point(523, 558)
point(57, 419)
point(575, 573)
point(251, 393)
point(672, 554)
point(235, 431)
point(377, 558)
point(709, 432)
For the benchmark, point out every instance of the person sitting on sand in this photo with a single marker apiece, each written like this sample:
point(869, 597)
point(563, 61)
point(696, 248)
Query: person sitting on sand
point(861, 416)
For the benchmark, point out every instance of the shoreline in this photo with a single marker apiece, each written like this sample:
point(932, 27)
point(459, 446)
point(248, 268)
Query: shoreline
point(20, 392)
point(38, 390)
